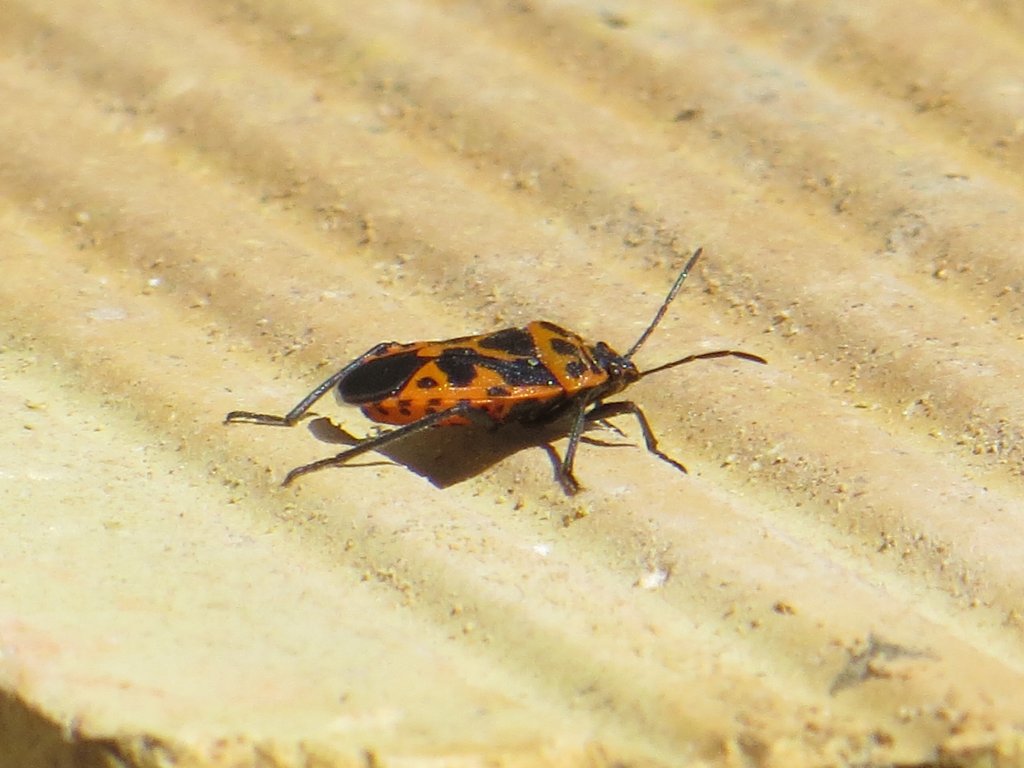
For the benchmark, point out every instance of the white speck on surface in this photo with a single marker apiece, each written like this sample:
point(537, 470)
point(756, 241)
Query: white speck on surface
point(107, 313)
point(653, 579)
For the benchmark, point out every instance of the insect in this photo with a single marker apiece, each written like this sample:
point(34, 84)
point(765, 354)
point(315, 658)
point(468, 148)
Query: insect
point(533, 375)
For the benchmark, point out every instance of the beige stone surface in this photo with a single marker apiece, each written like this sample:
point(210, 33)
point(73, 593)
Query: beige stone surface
point(212, 205)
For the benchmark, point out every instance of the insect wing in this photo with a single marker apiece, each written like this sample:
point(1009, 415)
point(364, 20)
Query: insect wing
point(379, 377)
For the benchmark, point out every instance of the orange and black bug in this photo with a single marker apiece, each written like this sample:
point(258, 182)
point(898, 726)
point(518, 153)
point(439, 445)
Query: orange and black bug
point(536, 374)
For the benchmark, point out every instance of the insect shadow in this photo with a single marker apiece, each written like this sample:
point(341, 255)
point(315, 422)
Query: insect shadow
point(446, 457)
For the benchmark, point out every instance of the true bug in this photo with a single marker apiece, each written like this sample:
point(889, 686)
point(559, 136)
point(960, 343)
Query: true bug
point(533, 375)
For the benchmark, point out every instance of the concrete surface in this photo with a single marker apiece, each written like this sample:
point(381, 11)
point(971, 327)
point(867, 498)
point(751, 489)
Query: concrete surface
point(209, 206)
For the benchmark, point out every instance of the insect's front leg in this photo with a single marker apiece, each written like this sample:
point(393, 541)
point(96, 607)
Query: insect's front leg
point(300, 410)
point(563, 472)
point(603, 411)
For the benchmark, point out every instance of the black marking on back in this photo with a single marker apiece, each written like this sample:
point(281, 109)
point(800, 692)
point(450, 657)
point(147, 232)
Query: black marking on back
point(576, 367)
point(563, 347)
point(521, 372)
point(426, 382)
point(514, 341)
point(379, 378)
point(459, 365)
point(600, 357)
point(498, 391)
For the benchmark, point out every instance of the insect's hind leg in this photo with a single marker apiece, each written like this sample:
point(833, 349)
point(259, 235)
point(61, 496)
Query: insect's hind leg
point(386, 438)
point(603, 411)
point(296, 413)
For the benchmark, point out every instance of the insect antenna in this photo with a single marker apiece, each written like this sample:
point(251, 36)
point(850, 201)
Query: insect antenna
point(664, 305)
point(661, 313)
point(706, 356)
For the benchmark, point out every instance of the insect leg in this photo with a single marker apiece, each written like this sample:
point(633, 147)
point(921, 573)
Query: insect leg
point(564, 473)
point(296, 413)
point(608, 410)
point(386, 438)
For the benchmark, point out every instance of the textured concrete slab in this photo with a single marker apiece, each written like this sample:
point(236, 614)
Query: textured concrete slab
point(211, 206)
